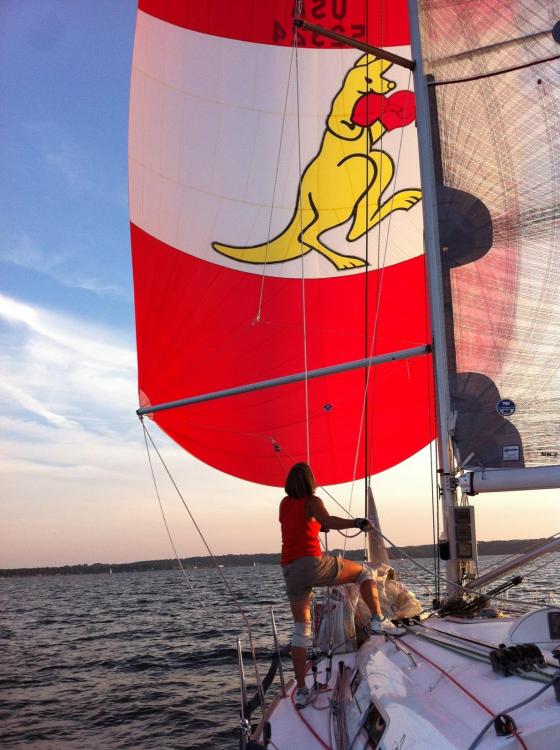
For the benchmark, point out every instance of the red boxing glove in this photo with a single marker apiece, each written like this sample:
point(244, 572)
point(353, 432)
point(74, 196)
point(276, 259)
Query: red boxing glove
point(368, 109)
point(395, 111)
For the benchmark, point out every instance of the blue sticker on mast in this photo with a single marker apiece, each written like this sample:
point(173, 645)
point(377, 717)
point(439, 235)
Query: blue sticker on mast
point(505, 407)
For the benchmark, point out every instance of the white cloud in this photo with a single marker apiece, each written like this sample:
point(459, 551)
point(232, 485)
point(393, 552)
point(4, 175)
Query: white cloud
point(64, 157)
point(24, 253)
point(69, 162)
point(65, 371)
point(28, 402)
point(76, 485)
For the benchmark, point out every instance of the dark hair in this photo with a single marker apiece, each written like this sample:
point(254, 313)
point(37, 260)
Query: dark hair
point(300, 481)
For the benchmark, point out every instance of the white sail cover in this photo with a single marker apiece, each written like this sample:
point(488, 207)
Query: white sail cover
point(496, 97)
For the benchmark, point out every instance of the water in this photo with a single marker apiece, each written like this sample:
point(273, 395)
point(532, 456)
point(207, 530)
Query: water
point(132, 660)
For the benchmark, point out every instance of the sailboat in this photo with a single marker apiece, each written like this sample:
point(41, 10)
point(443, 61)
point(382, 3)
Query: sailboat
point(345, 239)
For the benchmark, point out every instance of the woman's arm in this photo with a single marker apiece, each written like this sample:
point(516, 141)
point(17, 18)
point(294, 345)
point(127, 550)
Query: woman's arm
point(319, 512)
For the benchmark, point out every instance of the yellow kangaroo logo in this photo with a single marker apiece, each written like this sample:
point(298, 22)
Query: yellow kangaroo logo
point(347, 178)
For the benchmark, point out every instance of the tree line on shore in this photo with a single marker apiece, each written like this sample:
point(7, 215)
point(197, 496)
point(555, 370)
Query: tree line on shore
point(498, 547)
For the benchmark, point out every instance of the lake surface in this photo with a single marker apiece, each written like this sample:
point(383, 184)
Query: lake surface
point(135, 660)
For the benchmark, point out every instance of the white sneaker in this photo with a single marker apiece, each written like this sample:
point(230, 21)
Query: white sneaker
point(384, 626)
point(302, 697)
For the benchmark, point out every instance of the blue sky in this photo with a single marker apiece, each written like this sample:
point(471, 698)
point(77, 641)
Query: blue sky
point(66, 314)
point(75, 483)
point(75, 480)
point(65, 78)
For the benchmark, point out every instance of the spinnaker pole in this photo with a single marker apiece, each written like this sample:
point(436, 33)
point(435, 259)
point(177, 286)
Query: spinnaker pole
point(435, 292)
point(286, 379)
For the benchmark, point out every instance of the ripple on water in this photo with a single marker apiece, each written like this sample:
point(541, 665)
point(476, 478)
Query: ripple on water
point(132, 661)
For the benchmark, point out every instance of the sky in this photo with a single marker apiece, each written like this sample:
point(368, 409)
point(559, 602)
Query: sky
point(75, 483)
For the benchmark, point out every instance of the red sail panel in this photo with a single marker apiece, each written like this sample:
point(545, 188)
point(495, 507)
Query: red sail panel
point(271, 223)
point(271, 21)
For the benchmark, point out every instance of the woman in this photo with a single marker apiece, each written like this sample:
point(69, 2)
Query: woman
point(302, 515)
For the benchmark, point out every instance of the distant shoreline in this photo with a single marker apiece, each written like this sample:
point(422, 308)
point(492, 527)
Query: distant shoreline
point(498, 547)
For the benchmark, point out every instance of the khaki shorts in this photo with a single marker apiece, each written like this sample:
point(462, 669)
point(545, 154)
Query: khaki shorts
point(301, 575)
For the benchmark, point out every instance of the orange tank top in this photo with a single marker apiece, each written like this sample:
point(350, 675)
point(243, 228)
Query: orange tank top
point(300, 535)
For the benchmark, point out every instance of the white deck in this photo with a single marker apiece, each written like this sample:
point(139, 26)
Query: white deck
point(430, 696)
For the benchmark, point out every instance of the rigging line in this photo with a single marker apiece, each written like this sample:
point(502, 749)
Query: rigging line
point(220, 570)
point(402, 552)
point(464, 689)
point(381, 263)
point(303, 303)
point(326, 597)
point(382, 257)
point(453, 636)
point(348, 536)
point(524, 602)
point(531, 698)
point(435, 520)
point(202, 604)
point(521, 552)
point(307, 724)
point(259, 310)
point(494, 73)
point(431, 418)
point(546, 562)
point(458, 586)
point(534, 675)
point(366, 305)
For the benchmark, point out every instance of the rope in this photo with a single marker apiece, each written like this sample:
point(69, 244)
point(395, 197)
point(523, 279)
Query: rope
point(366, 303)
point(216, 565)
point(464, 689)
point(325, 599)
point(495, 72)
point(381, 264)
point(259, 309)
point(554, 680)
point(419, 565)
point(435, 523)
point(183, 571)
point(523, 551)
point(307, 724)
point(402, 552)
point(524, 602)
point(303, 304)
point(349, 536)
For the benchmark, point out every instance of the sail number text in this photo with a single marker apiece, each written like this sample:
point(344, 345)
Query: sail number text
point(317, 11)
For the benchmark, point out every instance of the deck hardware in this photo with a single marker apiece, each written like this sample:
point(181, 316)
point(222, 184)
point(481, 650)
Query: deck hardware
point(510, 660)
point(314, 668)
point(277, 648)
point(400, 647)
point(434, 685)
point(244, 725)
point(329, 665)
point(267, 733)
point(504, 725)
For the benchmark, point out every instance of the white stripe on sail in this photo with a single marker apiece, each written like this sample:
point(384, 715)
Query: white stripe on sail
point(204, 144)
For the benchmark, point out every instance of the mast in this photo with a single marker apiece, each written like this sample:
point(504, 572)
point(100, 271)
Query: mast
point(435, 291)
